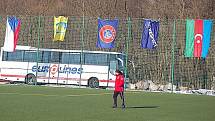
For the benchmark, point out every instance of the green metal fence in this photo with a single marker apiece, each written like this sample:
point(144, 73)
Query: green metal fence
point(165, 64)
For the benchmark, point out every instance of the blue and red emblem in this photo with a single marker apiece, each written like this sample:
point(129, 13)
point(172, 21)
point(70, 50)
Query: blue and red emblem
point(107, 30)
point(107, 34)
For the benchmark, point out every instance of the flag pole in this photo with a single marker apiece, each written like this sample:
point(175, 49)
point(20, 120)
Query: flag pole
point(38, 46)
point(127, 47)
point(173, 55)
point(82, 43)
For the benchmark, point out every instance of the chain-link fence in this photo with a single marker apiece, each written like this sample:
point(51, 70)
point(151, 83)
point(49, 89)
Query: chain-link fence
point(165, 64)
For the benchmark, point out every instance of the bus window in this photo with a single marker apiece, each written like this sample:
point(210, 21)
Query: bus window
point(30, 56)
point(121, 61)
point(46, 56)
point(70, 58)
point(56, 57)
point(13, 56)
point(95, 59)
point(113, 67)
point(112, 57)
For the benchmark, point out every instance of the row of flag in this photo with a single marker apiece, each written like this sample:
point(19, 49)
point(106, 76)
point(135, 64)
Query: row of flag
point(197, 34)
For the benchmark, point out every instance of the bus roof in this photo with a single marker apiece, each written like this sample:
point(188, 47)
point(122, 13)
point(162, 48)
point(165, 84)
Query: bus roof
point(21, 47)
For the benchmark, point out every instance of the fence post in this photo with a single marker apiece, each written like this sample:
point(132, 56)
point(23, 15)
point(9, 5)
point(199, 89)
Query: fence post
point(38, 46)
point(127, 46)
point(173, 55)
point(82, 43)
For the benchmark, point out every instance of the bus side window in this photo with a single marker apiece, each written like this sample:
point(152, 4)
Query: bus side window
point(30, 56)
point(56, 57)
point(74, 58)
point(95, 59)
point(13, 56)
point(46, 56)
point(70, 58)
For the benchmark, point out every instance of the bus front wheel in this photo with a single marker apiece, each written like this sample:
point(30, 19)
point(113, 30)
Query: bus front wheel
point(93, 82)
point(30, 79)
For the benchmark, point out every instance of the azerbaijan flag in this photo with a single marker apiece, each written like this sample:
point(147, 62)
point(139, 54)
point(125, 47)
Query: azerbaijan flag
point(197, 37)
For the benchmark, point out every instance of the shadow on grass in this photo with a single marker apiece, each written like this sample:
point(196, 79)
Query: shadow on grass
point(130, 107)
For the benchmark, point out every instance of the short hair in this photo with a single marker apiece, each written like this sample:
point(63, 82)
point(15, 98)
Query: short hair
point(118, 71)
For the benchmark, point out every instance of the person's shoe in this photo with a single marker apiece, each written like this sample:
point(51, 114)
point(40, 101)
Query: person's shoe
point(123, 106)
point(114, 106)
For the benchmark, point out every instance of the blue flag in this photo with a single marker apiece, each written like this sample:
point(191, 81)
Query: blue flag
point(150, 34)
point(107, 30)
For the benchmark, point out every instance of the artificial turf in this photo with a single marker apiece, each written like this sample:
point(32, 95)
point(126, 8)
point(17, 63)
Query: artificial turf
point(42, 103)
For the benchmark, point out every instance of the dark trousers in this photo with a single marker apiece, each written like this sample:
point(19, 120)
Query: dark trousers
point(115, 98)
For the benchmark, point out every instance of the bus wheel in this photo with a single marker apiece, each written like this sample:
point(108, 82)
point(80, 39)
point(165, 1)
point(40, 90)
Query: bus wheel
point(30, 79)
point(93, 82)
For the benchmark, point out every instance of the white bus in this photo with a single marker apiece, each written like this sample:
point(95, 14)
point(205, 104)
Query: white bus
point(57, 66)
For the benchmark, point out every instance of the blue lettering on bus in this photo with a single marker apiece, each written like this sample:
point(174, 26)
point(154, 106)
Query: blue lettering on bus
point(40, 68)
point(65, 70)
point(62, 69)
point(80, 70)
point(73, 70)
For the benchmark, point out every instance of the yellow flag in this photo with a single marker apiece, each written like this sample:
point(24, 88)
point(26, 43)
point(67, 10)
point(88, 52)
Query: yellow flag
point(60, 25)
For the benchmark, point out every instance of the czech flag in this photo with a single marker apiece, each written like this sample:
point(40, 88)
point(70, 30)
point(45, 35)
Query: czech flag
point(12, 34)
point(197, 37)
point(107, 30)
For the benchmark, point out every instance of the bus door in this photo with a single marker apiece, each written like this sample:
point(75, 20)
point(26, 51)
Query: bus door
point(111, 77)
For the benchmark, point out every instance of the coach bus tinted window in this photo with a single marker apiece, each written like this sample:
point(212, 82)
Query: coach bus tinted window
point(13, 56)
point(46, 56)
point(30, 56)
point(56, 57)
point(112, 57)
point(95, 59)
point(70, 58)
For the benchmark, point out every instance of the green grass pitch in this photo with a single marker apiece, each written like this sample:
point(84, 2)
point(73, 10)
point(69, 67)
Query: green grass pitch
point(40, 103)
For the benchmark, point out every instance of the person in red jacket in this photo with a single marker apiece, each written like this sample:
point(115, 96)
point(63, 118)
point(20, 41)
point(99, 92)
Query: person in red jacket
point(119, 89)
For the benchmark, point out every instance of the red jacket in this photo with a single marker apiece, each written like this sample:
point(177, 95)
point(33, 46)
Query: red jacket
point(119, 83)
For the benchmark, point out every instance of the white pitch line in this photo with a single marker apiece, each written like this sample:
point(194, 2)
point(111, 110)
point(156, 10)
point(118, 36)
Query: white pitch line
point(72, 95)
point(88, 94)
point(26, 94)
